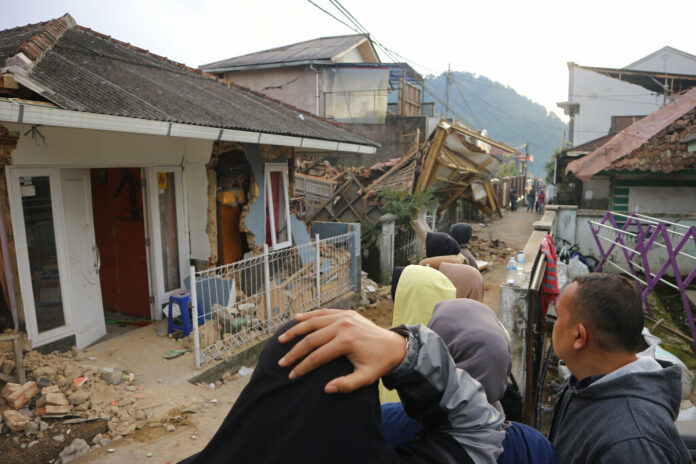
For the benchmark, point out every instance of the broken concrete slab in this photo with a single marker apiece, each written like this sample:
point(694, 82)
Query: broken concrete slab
point(77, 448)
point(112, 375)
point(79, 397)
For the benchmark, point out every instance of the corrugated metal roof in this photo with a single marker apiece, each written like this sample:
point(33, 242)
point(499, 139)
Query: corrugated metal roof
point(87, 71)
point(321, 49)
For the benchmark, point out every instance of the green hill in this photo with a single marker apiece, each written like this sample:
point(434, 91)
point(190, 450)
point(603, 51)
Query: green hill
point(506, 115)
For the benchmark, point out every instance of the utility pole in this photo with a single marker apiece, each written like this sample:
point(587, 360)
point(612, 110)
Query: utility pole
point(447, 86)
point(526, 160)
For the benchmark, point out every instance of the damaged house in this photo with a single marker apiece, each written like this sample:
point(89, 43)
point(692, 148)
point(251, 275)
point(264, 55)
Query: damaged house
point(121, 168)
point(342, 79)
point(649, 165)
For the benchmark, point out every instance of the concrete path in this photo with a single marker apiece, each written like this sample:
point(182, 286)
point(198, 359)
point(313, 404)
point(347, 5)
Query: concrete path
point(513, 229)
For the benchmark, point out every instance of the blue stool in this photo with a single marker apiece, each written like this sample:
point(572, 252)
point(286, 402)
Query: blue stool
point(182, 300)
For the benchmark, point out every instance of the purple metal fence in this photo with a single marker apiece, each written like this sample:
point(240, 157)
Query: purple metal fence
point(636, 235)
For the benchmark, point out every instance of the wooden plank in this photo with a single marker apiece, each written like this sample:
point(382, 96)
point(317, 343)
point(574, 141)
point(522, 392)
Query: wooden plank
point(329, 200)
point(454, 182)
point(459, 159)
point(477, 136)
point(405, 160)
point(492, 198)
point(483, 165)
point(19, 360)
point(452, 199)
point(431, 158)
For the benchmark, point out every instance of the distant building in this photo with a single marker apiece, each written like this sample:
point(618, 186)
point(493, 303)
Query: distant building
point(595, 95)
point(648, 166)
point(340, 78)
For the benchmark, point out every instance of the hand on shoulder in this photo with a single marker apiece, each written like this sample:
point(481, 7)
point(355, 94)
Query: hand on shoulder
point(332, 333)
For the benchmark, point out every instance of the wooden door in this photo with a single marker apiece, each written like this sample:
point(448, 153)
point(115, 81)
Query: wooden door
point(120, 232)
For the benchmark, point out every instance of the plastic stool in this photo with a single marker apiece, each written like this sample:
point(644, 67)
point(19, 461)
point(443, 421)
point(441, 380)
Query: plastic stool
point(182, 300)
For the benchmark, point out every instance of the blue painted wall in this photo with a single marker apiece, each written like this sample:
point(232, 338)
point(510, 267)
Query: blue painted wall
point(256, 219)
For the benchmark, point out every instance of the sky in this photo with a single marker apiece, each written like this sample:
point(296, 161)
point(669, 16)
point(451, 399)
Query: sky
point(523, 44)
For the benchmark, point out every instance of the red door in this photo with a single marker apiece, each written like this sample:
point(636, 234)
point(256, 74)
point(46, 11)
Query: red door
point(119, 225)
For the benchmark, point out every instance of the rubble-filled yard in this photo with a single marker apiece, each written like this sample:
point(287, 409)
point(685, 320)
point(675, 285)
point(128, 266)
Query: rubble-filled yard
point(98, 400)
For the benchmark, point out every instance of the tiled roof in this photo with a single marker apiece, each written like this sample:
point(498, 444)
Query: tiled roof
point(665, 152)
point(83, 70)
point(655, 130)
point(320, 49)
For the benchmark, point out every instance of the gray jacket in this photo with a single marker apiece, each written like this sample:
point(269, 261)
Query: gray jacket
point(626, 416)
point(445, 398)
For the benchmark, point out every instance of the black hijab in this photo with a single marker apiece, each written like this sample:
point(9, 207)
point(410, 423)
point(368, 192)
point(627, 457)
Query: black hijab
point(440, 244)
point(293, 421)
point(396, 275)
point(461, 232)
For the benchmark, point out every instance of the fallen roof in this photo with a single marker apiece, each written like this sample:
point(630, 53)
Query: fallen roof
point(84, 71)
point(654, 81)
point(633, 137)
point(323, 50)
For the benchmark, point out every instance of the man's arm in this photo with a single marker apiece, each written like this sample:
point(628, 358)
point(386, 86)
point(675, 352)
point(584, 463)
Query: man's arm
point(640, 450)
point(433, 390)
point(446, 399)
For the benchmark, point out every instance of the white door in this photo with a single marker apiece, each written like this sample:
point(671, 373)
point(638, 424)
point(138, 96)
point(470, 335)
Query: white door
point(168, 233)
point(83, 256)
point(54, 239)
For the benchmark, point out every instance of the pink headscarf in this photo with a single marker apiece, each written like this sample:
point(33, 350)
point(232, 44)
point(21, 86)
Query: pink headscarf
point(466, 279)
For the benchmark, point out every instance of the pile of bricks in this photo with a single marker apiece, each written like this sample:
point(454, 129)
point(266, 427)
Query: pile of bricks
point(16, 399)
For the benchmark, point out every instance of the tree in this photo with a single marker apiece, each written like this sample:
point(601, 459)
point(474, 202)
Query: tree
point(550, 168)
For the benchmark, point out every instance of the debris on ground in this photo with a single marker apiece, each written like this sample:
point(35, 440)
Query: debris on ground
point(493, 251)
point(371, 291)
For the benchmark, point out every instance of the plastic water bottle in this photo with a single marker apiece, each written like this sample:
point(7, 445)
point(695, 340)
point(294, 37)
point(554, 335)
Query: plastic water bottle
point(520, 258)
point(511, 271)
point(520, 264)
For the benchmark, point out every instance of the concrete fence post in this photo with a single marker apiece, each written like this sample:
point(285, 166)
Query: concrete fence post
point(386, 248)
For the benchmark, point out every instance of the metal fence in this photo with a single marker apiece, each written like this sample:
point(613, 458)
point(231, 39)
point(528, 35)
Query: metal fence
point(651, 249)
point(236, 303)
point(408, 247)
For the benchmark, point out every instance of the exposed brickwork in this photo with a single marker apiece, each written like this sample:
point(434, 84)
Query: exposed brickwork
point(8, 142)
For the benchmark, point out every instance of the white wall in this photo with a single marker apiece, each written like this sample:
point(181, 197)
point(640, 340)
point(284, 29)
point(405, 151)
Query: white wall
point(657, 256)
point(663, 199)
point(668, 61)
point(602, 97)
point(83, 148)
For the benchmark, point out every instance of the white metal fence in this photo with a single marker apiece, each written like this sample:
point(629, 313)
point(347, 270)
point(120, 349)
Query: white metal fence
point(235, 303)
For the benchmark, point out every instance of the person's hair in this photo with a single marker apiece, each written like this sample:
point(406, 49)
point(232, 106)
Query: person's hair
point(611, 307)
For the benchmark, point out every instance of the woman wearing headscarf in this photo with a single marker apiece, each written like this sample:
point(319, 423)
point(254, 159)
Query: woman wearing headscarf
point(418, 290)
point(439, 248)
point(288, 413)
point(466, 279)
point(478, 345)
point(462, 232)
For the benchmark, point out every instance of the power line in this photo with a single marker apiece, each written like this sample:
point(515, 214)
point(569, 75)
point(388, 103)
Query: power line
point(470, 110)
point(334, 17)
